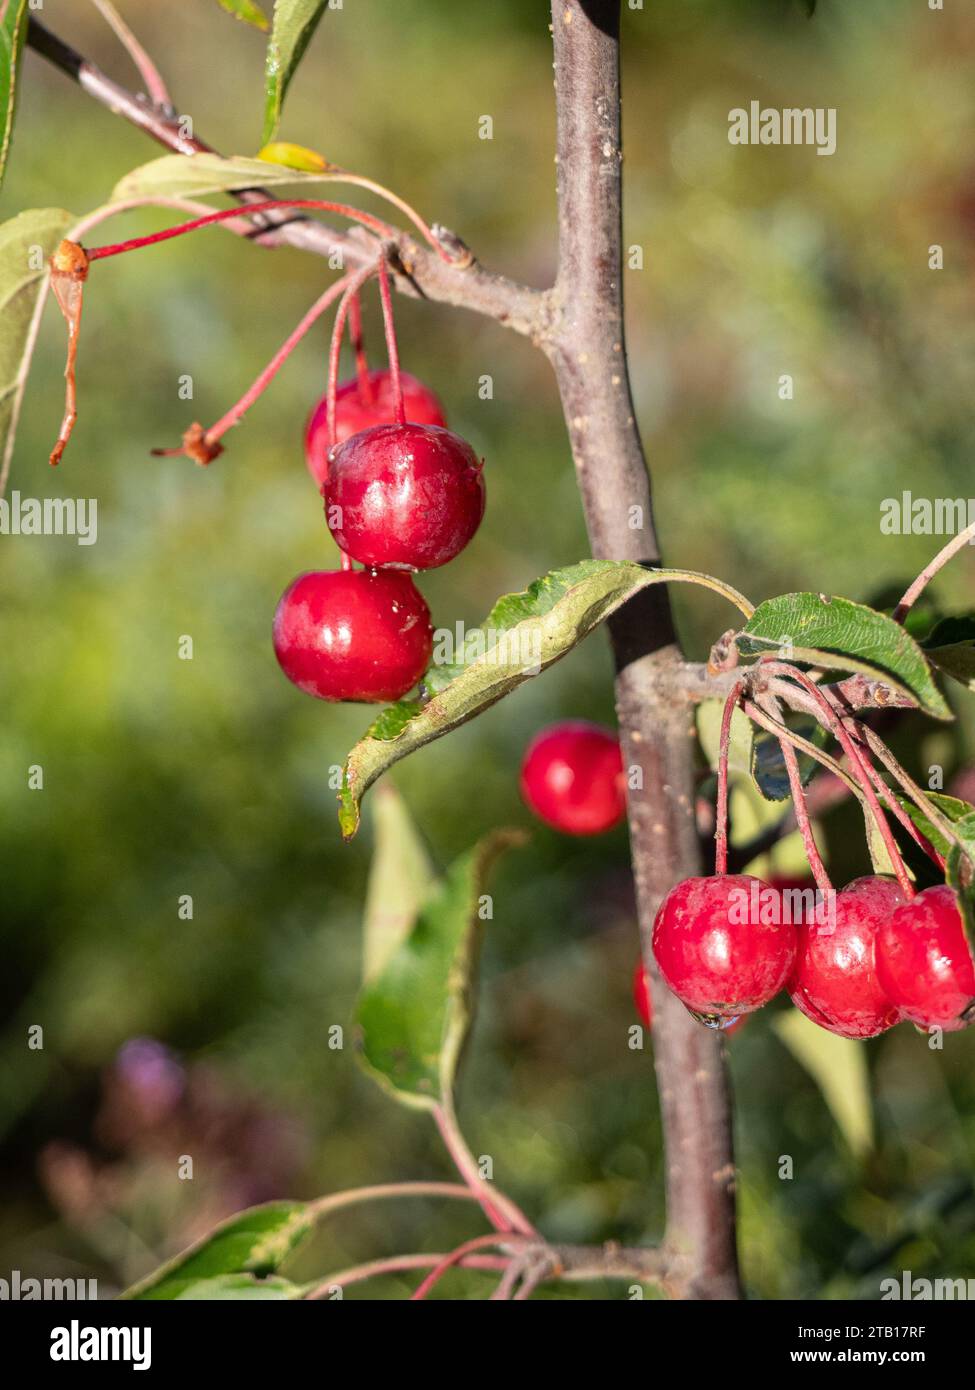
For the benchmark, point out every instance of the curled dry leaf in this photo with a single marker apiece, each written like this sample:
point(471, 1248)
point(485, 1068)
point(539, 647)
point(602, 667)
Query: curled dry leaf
point(69, 271)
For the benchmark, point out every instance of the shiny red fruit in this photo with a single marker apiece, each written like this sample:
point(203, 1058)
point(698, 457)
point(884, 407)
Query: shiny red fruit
point(644, 1002)
point(720, 945)
point(834, 981)
point(354, 412)
point(353, 634)
point(641, 994)
point(572, 778)
point(924, 961)
point(404, 496)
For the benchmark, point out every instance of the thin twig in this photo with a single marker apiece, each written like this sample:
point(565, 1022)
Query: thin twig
point(832, 721)
point(721, 815)
point(236, 413)
point(813, 856)
point(455, 1257)
point(503, 1214)
point(915, 590)
point(419, 272)
point(398, 1264)
point(146, 68)
point(353, 285)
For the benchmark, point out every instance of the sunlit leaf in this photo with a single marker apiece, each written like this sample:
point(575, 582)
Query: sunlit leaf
point(708, 715)
point(13, 28)
point(26, 244)
point(226, 1287)
point(245, 10)
point(293, 157)
point(839, 635)
point(251, 1245)
point(523, 635)
point(295, 21)
point(400, 876)
point(415, 1015)
point(195, 175)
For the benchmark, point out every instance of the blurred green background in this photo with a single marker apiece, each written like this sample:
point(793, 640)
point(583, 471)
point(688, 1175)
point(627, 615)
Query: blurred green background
point(209, 777)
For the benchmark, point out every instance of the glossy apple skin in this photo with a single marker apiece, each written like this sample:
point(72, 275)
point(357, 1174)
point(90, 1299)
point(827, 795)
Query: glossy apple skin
point(572, 778)
point(713, 955)
point(404, 496)
point(353, 634)
point(641, 994)
point(644, 1002)
point(924, 962)
point(835, 981)
point(354, 413)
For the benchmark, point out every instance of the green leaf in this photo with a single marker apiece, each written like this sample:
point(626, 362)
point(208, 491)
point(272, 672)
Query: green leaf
point(523, 634)
point(26, 243)
point(951, 807)
point(768, 765)
point(295, 21)
point(837, 634)
point(400, 877)
point(415, 1015)
point(950, 646)
point(960, 873)
point(236, 1286)
point(839, 1068)
point(13, 28)
point(195, 175)
point(245, 10)
point(254, 1243)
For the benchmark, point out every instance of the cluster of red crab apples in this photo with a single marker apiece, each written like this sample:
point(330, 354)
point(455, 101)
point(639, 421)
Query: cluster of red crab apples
point(406, 494)
point(856, 962)
point(400, 495)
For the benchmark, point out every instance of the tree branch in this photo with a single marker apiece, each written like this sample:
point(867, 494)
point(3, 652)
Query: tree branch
point(579, 324)
point(587, 349)
point(417, 270)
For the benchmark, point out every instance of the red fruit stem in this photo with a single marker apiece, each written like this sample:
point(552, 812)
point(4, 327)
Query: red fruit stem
point(912, 594)
point(360, 181)
point(260, 383)
point(383, 229)
point(392, 351)
point(155, 87)
point(358, 347)
point(354, 284)
point(399, 1264)
point(901, 775)
point(835, 726)
point(822, 878)
point(724, 741)
point(898, 811)
point(455, 1256)
point(500, 1210)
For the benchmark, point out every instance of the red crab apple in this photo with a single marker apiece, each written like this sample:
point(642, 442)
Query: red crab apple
point(404, 496)
point(357, 409)
point(572, 778)
point(719, 947)
point(834, 981)
point(644, 1003)
point(353, 634)
point(924, 961)
point(641, 994)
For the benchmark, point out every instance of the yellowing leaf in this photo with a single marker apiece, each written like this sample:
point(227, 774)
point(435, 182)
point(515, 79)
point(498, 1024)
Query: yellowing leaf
point(294, 157)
